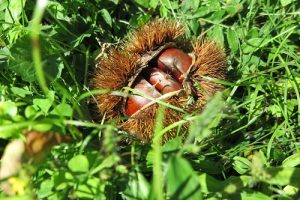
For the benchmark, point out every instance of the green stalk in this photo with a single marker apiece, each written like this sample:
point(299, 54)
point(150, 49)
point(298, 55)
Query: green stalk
point(35, 29)
point(157, 160)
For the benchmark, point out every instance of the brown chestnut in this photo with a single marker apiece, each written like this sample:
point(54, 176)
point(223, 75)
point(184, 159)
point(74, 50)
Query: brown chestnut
point(162, 81)
point(136, 102)
point(174, 61)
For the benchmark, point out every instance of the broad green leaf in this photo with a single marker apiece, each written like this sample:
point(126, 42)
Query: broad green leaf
point(13, 10)
point(292, 161)
point(241, 165)
point(153, 3)
point(42, 127)
point(233, 40)
point(8, 108)
point(30, 111)
point(92, 189)
point(202, 11)
point(246, 195)
point(217, 34)
point(171, 5)
point(290, 190)
point(186, 6)
point(172, 145)
point(45, 104)
point(106, 163)
point(200, 126)
point(209, 166)
point(194, 26)
point(3, 4)
point(62, 109)
point(285, 2)
point(281, 176)
point(144, 3)
point(181, 180)
point(45, 189)
point(210, 184)
point(217, 16)
point(137, 187)
point(106, 16)
point(58, 10)
point(79, 163)
point(62, 180)
point(233, 7)
point(10, 129)
point(20, 91)
point(251, 45)
point(22, 64)
point(122, 169)
point(163, 11)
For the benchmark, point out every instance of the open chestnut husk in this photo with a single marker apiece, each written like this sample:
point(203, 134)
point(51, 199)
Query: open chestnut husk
point(158, 62)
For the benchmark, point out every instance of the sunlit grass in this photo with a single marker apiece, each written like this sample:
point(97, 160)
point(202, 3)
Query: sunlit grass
point(244, 144)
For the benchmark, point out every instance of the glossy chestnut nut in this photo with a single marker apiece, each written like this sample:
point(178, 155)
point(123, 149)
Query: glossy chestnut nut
point(174, 61)
point(162, 81)
point(163, 76)
point(136, 102)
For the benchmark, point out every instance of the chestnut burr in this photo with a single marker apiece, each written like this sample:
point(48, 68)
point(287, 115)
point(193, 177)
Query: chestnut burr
point(159, 62)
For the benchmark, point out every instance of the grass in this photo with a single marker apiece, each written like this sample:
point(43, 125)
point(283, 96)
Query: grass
point(244, 145)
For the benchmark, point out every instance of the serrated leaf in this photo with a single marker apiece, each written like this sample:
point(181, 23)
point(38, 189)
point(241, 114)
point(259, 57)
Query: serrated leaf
point(79, 163)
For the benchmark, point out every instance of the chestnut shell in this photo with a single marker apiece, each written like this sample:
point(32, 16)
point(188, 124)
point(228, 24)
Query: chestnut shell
point(155, 44)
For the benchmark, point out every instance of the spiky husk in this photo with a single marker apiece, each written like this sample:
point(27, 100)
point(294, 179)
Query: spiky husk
point(113, 73)
point(210, 63)
point(152, 35)
point(142, 124)
point(119, 67)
